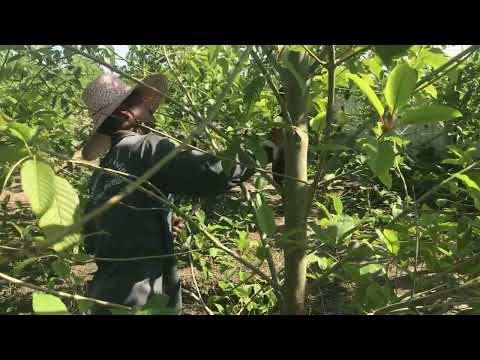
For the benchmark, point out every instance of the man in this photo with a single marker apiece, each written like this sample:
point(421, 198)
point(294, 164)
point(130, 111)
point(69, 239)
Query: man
point(139, 226)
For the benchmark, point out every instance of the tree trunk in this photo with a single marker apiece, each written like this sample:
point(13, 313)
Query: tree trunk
point(295, 220)
point(296, 191)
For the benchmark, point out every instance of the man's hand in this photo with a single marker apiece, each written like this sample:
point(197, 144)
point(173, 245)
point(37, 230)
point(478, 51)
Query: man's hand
point(177, 226)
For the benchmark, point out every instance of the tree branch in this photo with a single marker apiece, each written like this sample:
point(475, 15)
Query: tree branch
point(61, 293)
point(329, 117)
point(419, 299)
point(281, 101)
point(434, 76)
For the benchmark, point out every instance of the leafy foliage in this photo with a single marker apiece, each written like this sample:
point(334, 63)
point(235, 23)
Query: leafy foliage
point(375, 168)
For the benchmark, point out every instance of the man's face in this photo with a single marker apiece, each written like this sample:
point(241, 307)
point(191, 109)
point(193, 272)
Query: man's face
point(133, 113)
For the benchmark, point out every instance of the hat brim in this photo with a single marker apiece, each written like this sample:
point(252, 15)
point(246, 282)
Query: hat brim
point(98, 144)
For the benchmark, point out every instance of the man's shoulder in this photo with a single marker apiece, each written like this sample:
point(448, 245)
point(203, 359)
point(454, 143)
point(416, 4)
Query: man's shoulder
point(155, 140)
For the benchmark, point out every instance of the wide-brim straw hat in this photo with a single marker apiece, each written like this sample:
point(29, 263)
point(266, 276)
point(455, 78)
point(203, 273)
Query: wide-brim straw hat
point(104, 95)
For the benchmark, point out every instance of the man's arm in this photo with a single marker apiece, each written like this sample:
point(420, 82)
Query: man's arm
point(190, 172)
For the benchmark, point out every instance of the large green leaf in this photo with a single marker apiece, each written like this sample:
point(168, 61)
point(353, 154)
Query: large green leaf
point(367, 90)
point(61, 214)
point(429, 114)
point(38, 185)
point(388, 52)
point(380, 158)
point(400, 85)
point(46, 304)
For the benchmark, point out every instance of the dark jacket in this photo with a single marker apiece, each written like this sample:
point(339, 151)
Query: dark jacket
point(140, 225)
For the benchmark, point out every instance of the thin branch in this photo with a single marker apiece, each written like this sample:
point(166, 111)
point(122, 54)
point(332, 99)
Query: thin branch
point(210, 312)
point(329, 117)
point(140, 258)
point(428, 79)
point(189, 97)
point(315, 57)
point(61, 293)
point(419, 299)
point(192, 294)
point(263, 171)
point(355, 53)
point(281, 101)
point(7, 55)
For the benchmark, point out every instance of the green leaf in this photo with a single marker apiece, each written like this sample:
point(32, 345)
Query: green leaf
point(3, 123)
point(319, 122)
point(431, 90)
point(243, 242)
point(367, 90)
point(60, 268)
point(266, 220)
point(20, 266)
point(116, 311)
point(259, 152)
point(46, 304)
point(464, 238)
point(389, 237)
point(253, 90)
point(38, 185)
point(400, 85)
point(337, 203)
point(429, 114)
point(200, 215)
point(83, 305)
point(12, 153)
point(323, 263)
point(61, 215)
point(370, 269)
point(336, 228)
point(377, 295)
point(468, 181)
point(157, 305)
point(380, 159)
point(21, 131)
point(375, 65)
point(431, 57)
point(389, 52)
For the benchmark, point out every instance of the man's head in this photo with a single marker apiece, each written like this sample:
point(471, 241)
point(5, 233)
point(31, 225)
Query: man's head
point(115, 106)
point(132, 110)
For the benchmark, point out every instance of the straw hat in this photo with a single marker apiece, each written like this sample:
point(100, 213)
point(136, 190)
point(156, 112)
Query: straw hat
point(104, 95)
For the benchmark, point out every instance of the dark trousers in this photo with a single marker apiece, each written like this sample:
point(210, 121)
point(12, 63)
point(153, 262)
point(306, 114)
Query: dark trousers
point(133, 284)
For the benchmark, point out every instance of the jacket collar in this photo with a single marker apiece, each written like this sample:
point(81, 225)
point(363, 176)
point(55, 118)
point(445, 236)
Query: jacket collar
point(120, 134)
